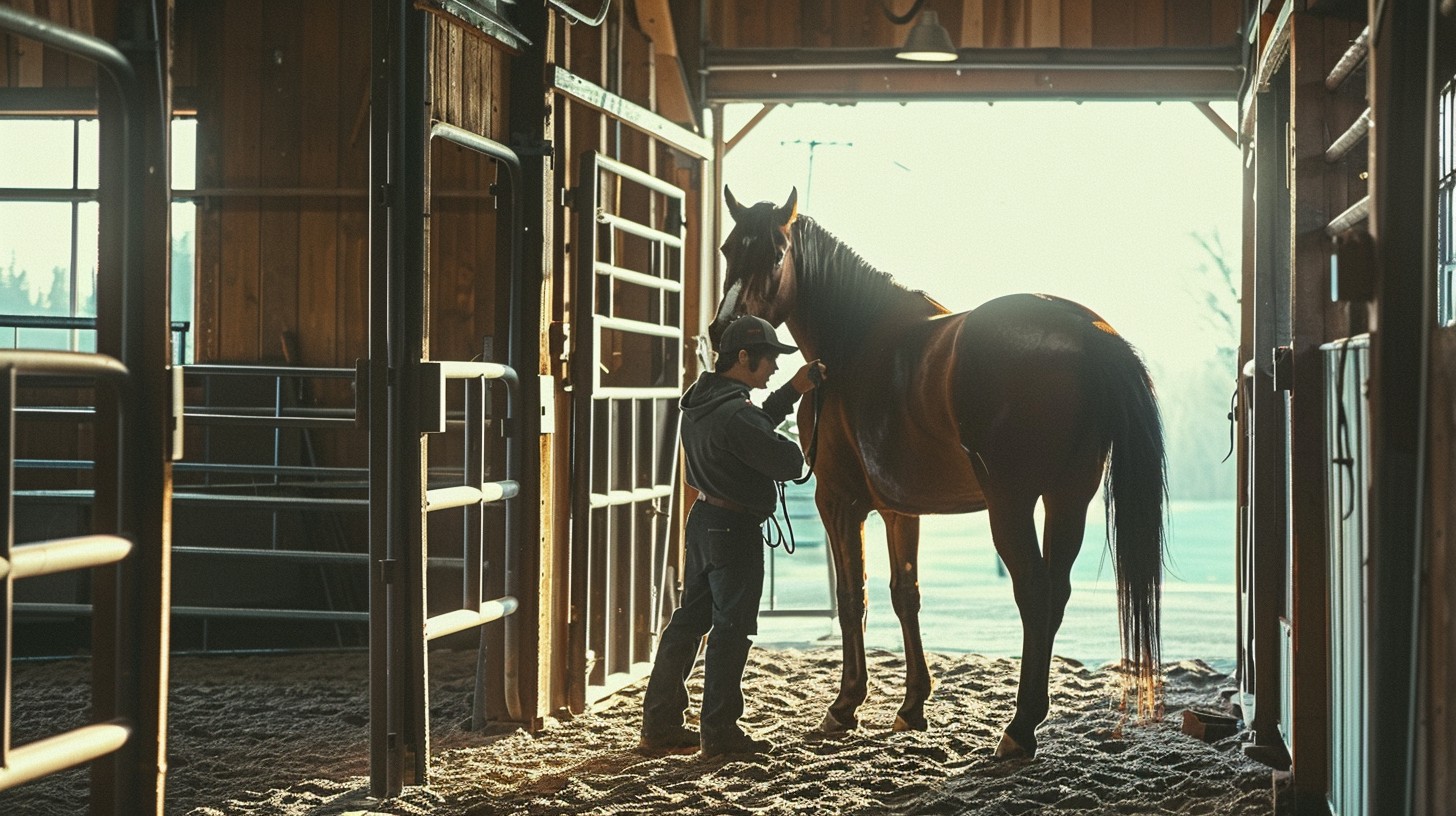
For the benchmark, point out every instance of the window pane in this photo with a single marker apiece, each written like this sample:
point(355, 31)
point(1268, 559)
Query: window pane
point(88, 149)
point(184, 224)
point(184, 154)
point(35, 244)
point(88, 232)
point(37, 153)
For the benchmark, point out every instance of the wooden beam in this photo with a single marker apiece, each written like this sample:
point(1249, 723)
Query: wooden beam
point(850, 75)
point(1309, 303)
point(674, 96)
point(748, 127)
point(629, 113)
point(1223, 127)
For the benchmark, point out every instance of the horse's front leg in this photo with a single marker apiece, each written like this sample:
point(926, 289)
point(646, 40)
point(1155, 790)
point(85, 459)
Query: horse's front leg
point(844, 525)
point(903, 534)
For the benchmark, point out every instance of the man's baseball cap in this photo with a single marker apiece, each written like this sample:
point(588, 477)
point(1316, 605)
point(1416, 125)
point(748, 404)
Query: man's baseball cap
point(749, 332)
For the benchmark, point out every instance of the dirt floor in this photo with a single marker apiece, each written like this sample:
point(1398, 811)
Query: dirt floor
point(287, 735)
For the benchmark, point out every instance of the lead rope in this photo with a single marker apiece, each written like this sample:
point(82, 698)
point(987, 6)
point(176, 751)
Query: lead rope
point(776, 537)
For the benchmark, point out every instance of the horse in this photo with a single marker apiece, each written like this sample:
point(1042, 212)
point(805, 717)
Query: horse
point(1027, 397)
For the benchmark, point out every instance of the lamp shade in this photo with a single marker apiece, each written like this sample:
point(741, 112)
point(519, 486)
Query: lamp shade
point(928, 41)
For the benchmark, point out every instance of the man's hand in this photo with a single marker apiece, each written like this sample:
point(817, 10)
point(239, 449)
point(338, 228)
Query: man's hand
point(809, 377)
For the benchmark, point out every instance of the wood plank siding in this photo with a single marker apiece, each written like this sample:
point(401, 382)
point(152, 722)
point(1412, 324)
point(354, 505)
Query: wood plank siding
point(25, 63)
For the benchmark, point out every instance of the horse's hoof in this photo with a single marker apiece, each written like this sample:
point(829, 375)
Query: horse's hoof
point(1011, 749)
point(917, 723)
point(833, 725)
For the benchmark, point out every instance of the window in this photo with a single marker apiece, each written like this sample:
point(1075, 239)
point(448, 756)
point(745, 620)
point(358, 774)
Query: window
point(49, 227)
point(1445, 205)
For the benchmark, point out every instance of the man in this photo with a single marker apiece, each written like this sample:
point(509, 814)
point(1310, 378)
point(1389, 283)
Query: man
point(733, 456)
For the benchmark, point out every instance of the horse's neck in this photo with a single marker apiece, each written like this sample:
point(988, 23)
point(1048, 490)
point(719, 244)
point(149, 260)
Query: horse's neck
point(842, 299)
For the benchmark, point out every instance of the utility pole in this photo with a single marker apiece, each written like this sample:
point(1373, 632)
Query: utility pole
point(814, 144)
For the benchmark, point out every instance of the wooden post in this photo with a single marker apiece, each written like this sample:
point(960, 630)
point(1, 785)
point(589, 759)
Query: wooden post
point(1401, 221)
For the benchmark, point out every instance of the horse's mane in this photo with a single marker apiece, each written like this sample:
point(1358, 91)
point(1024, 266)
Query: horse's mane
point(845, 291)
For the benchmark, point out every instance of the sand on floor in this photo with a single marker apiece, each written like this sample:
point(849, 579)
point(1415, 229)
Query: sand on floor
point(287, 735)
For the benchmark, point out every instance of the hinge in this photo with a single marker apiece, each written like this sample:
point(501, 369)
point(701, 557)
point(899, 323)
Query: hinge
point(525, 146)
point(388, 570)
point(431, 397)
point(1283, 368)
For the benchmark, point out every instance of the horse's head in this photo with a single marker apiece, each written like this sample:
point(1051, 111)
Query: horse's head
point(759, 273)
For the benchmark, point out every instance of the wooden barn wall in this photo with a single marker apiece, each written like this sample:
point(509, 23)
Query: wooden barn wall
point(25, 63)
point(468, 80)
point(978, 23)
point(282, 94)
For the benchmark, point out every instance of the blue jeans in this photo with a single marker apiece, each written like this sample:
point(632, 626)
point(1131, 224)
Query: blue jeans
point(722, 584)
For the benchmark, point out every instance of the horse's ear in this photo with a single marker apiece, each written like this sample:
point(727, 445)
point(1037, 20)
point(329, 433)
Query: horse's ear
point(790, 210)
point(734, 208)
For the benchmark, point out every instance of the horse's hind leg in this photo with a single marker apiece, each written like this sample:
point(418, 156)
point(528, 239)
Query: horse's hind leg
point(844, 525)
point(903, 533)
point(1013, 530)
point(1066, 523)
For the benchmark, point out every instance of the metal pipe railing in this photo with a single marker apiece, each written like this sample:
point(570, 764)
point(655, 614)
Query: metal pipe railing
point(643, 231)
point(1350, 60)
point(133, 782)
point(1359, 211)
point(51, 755)
point(444, 498)
point(639, 278)
point(63, 555)
point(63, 364)
point(459, 620)
point(1352, 136)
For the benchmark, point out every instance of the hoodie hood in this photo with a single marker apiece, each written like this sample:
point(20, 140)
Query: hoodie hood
point(711, 392)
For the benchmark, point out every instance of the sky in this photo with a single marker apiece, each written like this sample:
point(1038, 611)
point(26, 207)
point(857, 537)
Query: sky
point(1096, 202)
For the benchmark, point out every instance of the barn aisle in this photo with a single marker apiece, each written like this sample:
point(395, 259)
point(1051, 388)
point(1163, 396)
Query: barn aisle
point(286, 735)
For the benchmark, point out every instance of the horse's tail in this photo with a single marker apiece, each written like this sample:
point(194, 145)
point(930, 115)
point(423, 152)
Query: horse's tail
point(1135, 490)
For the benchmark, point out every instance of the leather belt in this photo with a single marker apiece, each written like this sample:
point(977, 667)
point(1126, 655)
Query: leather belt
point(726, 504)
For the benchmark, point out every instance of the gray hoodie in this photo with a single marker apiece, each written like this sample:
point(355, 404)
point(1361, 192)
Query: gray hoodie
point(732, 450)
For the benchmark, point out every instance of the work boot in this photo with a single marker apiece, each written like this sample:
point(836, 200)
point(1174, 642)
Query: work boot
point(723, 665)
point(738, 743)
point(683, 740)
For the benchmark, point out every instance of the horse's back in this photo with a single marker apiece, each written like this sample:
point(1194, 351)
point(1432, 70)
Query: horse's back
point(1022, 387)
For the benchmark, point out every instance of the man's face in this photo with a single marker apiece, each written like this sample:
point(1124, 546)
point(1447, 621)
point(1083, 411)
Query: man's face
point(759, 375)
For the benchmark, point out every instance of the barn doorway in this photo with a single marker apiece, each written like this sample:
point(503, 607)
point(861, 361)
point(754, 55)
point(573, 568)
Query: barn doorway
point(1131, 208)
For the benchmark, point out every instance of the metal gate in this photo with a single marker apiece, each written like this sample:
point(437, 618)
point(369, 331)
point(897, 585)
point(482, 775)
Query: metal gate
point(126, 738)
point(406, 401)
point(626, 379)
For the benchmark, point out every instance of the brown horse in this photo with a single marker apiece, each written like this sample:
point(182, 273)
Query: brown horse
point(925, 411)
